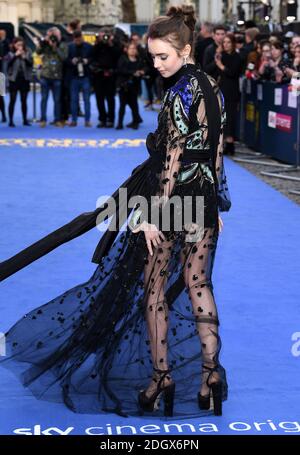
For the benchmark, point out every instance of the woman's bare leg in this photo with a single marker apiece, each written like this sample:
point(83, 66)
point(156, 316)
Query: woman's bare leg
point(156, 309)
point(198, 262)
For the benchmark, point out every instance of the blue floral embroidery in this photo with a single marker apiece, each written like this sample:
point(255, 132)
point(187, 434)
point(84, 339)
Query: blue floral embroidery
point(183, 89)
point(223, 101)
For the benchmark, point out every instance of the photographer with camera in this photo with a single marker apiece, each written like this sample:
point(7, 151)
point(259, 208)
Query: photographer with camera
point(79, 57)
point(104, 63)
point(53, 52)
point(131, 68)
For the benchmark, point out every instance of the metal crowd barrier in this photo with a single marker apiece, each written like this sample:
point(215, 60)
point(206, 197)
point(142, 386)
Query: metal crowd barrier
point(269, 124)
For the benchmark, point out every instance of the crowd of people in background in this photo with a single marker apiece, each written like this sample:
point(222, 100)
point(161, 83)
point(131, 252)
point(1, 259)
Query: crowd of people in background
point(227, 56)
point(72, 67)
point(114, 66)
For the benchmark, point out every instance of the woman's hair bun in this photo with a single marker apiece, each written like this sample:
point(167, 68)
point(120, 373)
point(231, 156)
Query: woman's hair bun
point(184, 12)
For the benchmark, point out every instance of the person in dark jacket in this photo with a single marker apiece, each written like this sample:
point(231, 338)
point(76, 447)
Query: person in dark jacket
point(209, 64)
point(203, 40)
point(19, 73)
point(106, 53)
point(249, 45)
point(130, 69)
point(150, 74)
point(79, 57)
point(294, 66)
point(72, 27)
point(228, 63)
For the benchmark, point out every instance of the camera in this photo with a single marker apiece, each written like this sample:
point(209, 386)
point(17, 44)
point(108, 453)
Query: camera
point(80, 67)
point(285, 64)
point(53, 39)
point(44, 42)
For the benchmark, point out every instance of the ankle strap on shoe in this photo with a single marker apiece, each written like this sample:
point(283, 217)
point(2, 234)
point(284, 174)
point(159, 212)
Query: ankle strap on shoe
point(211, 369)
point(162, 371)
point(162, 374)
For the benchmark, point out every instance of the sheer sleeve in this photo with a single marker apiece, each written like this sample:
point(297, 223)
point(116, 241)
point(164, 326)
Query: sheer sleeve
point(173, 130)
point(224, 201)
point(176, 133)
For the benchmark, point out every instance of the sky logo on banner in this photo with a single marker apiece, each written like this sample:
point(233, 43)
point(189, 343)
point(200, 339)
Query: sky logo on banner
point(280, 121)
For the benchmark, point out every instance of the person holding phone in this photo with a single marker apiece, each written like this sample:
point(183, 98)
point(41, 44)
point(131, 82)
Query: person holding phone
point(264, 63)
point(19, 76)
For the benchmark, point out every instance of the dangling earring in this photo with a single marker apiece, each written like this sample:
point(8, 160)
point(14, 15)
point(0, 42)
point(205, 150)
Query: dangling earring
point(185, 60)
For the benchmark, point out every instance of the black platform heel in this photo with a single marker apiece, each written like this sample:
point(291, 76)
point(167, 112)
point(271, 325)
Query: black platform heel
point(149, 404)
point(216, 389)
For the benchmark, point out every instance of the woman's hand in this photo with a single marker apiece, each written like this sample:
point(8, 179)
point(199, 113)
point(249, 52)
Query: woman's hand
point(153, 236)
point(263, 66)
point(289, 72)
point(278, 74)
point(221, 224)
point(296, 61)
point(218, 62)
point(272, 63)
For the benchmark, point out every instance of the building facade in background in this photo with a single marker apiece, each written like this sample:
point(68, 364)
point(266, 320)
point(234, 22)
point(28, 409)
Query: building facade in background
point(105, 12)
point(16, 11)
point(101, 12)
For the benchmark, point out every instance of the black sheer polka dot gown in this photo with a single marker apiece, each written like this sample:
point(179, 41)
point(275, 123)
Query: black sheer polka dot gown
point(101, 344)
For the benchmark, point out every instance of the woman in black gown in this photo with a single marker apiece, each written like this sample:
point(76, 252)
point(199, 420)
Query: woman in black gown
point(229, 65)
point(146, 321)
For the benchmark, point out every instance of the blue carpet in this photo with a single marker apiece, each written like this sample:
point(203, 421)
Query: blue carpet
point(256, 278)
